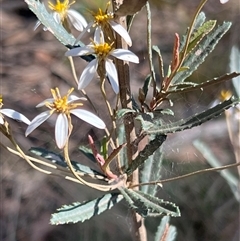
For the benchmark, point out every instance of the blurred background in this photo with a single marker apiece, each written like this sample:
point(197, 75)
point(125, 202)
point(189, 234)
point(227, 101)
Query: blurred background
point(32, 62)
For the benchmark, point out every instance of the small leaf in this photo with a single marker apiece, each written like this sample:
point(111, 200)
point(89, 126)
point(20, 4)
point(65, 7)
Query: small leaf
point(201, 51)
point(200, 33)
point(143, 155)
point(148, 205)
point(136, 205)
point(160, 60)
point(79, 212)
point(146, 85)
point(163, 112)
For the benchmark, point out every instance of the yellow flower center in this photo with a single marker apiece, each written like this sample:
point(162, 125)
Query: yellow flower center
point(225, 95)
point(102, 50)
point(102, 18)
point(61, 104)
point(60, 7)
point(1, 101)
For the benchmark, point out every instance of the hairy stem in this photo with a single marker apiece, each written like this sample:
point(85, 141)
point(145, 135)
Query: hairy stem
point(139, 231)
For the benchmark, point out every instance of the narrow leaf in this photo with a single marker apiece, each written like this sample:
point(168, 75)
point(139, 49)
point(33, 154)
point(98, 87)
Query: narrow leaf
point(60, 161)
point(207, 83)
point(195, 120)
point(198, 55)
point(149, 149)
point(200, 33)
point(151, 171)
point(136, 205)
point(153, 205)
point(122, 139)
point(146, 85)
point(79, 212)
point(160, 60)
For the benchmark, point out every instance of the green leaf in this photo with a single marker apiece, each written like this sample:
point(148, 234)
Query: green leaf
point(151, 171)
point(143, 155)
point(146, 120)
point(201, 18)
point(158, 206)
point(160, 60)
point(200, 52)
point(165, 231)
point(200, 33)
point(146, 85)
point(79, 212)
point(122, 139)
point(195, 120)
point(206, 83)
point(60, 161)
point(163, 112)
point(136, 205)
point(148, 205)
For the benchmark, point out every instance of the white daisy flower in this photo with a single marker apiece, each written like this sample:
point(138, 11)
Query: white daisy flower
point(63, 107)
point(62, 14)
point(102, 51)
point(223, 1)
point(12, 114)
point(104, 21)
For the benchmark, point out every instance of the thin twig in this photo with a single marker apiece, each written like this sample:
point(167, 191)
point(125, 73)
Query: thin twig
point(213, 169)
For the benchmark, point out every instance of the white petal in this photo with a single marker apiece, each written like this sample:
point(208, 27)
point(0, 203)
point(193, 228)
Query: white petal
point(61, 130)
point(77, 20)
point(126, 55)
point(15, 115)
point(37, 121)
point(121, 31)
point(98, 35)
point(88, 74)
point(85, 50)
point(223, 1)
point(112, 75)
point(57, 17)
point(83, 32)
point(49, 100)
point(89, 118)
point(38, 23)
point(73, 98)
point(1, 120)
